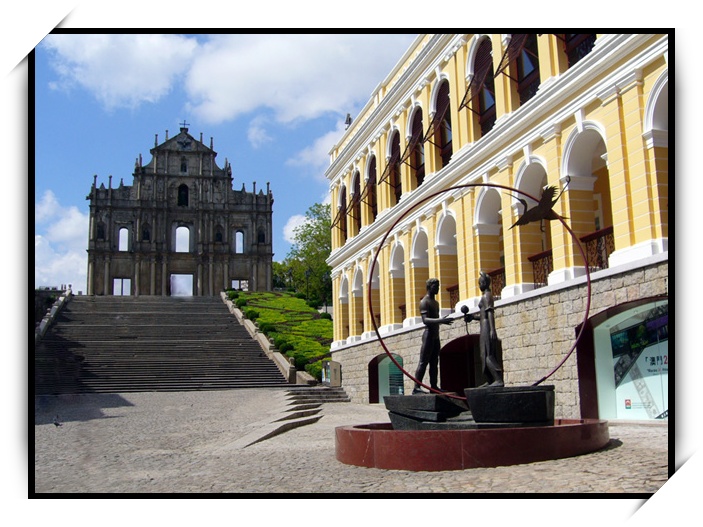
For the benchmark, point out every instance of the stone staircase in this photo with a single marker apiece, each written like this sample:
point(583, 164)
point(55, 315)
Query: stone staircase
point(118, 344)
point(302, 406)
point(316, 395)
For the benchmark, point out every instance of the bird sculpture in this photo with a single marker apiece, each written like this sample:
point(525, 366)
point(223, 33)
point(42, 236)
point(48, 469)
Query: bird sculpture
point(57, 423)
point(544, 209)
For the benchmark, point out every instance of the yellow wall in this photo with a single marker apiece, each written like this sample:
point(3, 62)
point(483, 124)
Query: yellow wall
point(633, 184)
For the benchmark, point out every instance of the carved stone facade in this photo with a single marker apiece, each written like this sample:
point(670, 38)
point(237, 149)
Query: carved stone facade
point(180, 217)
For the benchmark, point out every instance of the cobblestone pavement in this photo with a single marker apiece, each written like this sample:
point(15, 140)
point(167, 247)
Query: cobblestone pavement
point(185, 442)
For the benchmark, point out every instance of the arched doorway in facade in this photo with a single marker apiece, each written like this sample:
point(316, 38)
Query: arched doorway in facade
point(385, 378)
point(588, 194)
point(356, 312)
point(420, 273)
point(489, 243)
point(397, 285)
point(447, 256)
point(460, 364)
point(623, 362)
point(534, 239)
point(344, 308)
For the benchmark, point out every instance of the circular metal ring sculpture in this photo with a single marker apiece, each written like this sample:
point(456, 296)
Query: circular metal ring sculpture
point(451, 189)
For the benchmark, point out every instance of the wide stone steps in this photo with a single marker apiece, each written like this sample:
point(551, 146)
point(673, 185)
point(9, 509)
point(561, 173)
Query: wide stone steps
point(128, 344)
point(306, 395)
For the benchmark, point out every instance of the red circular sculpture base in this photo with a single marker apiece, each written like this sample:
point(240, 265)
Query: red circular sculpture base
point(379, 446)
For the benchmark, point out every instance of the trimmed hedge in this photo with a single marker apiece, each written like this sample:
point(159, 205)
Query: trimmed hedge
point(297, 330)
point(251, 314)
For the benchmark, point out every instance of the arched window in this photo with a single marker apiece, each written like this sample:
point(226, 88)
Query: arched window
point(372, 199)
point(123, 239)
point(355, 211)
point(417, 157)
point(343, 214)
point(528, 69)
point(183, 195)
point(522, 62)
point(443, 124)
point(239, 242)
point(578, 46)
point(261, 236)
point(394, 169)
point(146, 233)
point(219, 236)
point(182, 239)
point(485, 97)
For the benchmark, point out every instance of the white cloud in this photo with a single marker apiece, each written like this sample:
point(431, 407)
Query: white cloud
point(53, 268)
point(60, 243)
point(120, 70)
point(47, 208)
point(297, 76)
point(293, 223)
point(316, 156)
point(256, 134)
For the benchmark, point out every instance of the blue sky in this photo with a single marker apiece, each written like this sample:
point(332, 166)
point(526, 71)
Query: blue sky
point(274, 105)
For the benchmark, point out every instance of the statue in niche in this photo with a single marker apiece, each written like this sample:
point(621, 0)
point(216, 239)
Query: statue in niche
point(489, 344)
point(429, 351)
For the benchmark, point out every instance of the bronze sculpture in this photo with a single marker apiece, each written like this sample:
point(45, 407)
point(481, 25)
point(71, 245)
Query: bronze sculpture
point(429, 351)
point(488, 341)
point(544, 210)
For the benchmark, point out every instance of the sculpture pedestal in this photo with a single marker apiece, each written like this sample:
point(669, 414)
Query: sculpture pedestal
point(519, 405)
point(426, 412)
point(504, 426)
point(380, 446)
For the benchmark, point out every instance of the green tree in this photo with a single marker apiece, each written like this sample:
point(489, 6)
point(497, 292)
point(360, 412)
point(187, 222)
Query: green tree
point(280, 276)
point(306, 262)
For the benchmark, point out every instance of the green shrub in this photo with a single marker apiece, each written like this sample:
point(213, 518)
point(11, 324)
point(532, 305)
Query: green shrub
point(278, 341)
point(315, 369)
point(266, 327)
point(325, 316)
point(231, 294)
point(285, 347)
point(251, 314)
point(240, 302)
point(297, 330)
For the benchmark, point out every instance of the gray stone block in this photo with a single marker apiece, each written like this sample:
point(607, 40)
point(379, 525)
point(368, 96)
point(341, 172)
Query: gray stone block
point(520, 404)
point(425, 402)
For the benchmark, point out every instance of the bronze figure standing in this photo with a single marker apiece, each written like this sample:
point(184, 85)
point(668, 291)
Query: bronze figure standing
point(429, 351)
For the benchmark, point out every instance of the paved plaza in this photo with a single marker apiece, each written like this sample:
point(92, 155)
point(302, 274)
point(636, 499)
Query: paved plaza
point(191, 442)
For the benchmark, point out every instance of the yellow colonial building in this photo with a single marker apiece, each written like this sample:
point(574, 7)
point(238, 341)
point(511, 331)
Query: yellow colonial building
point(462, 137)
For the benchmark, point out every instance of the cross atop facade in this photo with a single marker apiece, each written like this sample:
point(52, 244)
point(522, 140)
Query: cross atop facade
point(184, 124)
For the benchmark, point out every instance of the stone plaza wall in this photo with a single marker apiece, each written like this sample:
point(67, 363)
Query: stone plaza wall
point(537, 330)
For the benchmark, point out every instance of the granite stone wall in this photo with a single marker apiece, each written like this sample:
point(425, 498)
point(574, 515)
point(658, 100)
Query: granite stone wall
point(537, 330)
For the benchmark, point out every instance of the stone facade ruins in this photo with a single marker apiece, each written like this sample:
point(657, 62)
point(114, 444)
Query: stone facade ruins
point(179, 218)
